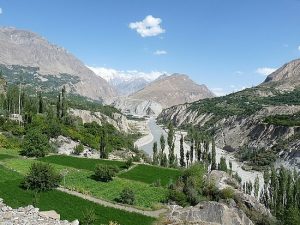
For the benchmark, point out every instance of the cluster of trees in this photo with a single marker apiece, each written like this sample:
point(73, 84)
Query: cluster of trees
point(281, 194)
point(42, 116)
point(159, 155)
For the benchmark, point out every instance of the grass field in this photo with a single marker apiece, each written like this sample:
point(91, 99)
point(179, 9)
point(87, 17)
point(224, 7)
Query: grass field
point(80, 163)
point(146, 196)
point(68, 206)
point(150, 174)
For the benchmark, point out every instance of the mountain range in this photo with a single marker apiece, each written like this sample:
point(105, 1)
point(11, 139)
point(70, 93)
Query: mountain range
point(31, 59)
point(28, 56)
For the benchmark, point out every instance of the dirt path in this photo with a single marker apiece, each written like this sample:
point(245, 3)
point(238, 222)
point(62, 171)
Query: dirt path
point(154, 214)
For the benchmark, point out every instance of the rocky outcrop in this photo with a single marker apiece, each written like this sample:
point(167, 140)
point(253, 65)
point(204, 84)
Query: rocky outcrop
point(24, 48)
point(286, 78)
point(118, 120)
point(207, 213)
point(30, 215)
point(137, 106)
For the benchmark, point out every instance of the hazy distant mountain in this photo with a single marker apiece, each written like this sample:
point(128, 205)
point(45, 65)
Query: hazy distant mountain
point(173, 90)
point(46, 65)
point(286, 77)
point(126, 82)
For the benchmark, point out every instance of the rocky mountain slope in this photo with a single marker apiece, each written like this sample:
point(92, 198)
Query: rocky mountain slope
point(164, 92)
point(265, 116)
point(30, 57)
point(286, 78)
point(173, 90)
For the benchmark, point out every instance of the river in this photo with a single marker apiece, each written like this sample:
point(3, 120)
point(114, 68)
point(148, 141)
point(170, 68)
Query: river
point(157, 131)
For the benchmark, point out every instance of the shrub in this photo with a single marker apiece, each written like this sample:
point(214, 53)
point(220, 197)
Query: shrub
point(41, 177)
point(78, 149)
point(105, 173)
point(35, 144)
point(127, 196)
point(178, 197)
point(89, 217)
point(227, 193)
point(128, 163)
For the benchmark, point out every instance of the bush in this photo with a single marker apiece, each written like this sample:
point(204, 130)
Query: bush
point(78, 149)
point(178, 197)
point(41, 177)
point(127, 196)
point(89, 217)
point(227, 193)
point(35, 144)
point(128, 163)
point(105, 173)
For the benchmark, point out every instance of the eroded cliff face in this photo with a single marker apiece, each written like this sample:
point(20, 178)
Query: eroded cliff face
point(118, 120)
point(238, 131)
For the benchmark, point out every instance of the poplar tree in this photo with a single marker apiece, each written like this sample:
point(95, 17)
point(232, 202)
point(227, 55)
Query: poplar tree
point(213, 156)
point(182, 161)
point(155, 154)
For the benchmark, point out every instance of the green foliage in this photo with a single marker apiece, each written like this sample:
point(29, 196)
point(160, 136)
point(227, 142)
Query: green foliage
point(35, 144)
point(190, 184)
point(257, 158)
point(128, 163)
point(89, 217)
point(127, 196)
point(227, 193)
point(284, 120)
point(223, 164)
point(78, 149)
point(16, 197)
point(105, 173)
point(80, 163)
point(41, 177)
point(150, 174)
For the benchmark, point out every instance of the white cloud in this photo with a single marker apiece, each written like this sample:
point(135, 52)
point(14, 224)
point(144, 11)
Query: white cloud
point(299, 47)
point(110, 74)
point(1, 11)
point(160, 52)
point(265, 70)
point(149, 27)
point(219, 91)
point(238, 72)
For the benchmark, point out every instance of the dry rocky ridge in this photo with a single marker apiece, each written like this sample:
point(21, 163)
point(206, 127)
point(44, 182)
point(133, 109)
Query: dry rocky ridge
point(24, 48)
point(162, 93)
point(286, 78)
point(30, 215)
point(236, 132)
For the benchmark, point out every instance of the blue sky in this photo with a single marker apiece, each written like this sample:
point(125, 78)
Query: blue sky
point(223, 44)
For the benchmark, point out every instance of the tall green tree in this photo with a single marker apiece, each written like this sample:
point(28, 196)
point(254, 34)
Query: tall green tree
point(213, 156)
point(171, 144)
point(155, 154)
point(102, 147)
point(63, 102)
point(187, 155)
point(192, 151)
point(182, 160)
